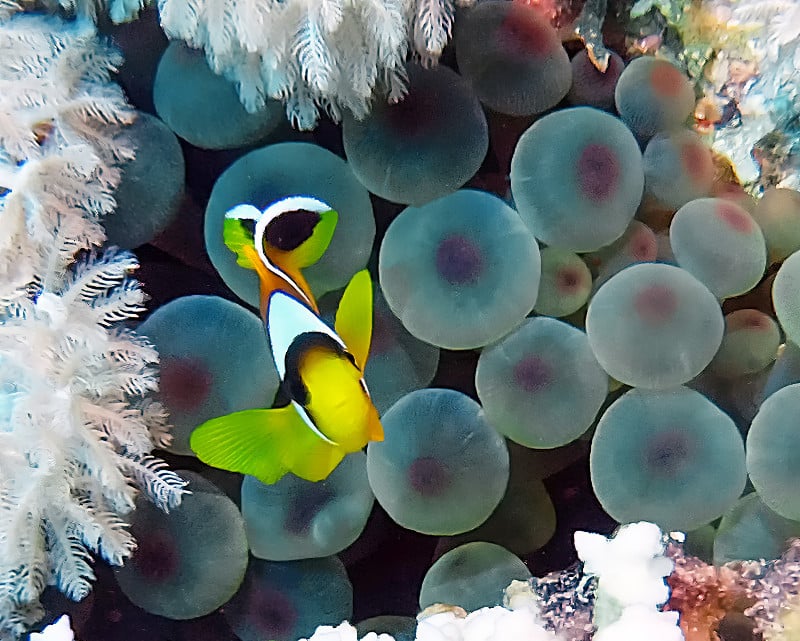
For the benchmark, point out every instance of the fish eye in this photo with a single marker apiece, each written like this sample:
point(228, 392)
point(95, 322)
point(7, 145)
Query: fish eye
point(290, 229)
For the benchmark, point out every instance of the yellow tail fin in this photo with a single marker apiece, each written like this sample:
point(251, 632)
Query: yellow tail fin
point(257, 442)
point(314, 458)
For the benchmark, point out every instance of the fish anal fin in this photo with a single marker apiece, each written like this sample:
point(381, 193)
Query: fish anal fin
point(258, 442)
point(354, 317)
point(374, 427)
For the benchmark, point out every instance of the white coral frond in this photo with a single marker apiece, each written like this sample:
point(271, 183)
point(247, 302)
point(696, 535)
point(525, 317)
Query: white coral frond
point(74, 383)
point(329, 55)
point(161, 484)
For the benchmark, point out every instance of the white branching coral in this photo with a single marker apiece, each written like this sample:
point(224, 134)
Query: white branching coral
point(76, 424)
point(630, 568)
point(311, 54)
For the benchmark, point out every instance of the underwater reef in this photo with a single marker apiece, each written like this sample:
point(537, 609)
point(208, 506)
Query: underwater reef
point(399, 320)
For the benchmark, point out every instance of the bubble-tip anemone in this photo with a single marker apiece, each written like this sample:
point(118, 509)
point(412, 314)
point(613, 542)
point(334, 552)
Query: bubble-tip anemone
point(671, 457)
point(297, 519)
point(577, 178)
point(541, 385)
point(512, 56)
point(461, 271)
point(441, 468)
point(472, 576)
point(417, 150)
point(654, 326)
point(189, 561)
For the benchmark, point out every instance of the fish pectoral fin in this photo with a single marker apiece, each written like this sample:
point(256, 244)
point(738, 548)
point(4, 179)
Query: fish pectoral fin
point(314, 458)
point(257, 442)
point(354, 317)
point(312, 249)
point(237, 236)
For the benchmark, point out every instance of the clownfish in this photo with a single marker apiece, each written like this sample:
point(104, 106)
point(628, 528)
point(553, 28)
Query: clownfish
point(330, 413)
point(289, 235)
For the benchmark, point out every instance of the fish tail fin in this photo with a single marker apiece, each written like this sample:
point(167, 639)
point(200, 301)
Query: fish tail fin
point(258, 442)
point(354, 317)
point(314, 458)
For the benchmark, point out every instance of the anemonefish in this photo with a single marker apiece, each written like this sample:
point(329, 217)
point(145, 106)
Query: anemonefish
point(289, 235)
point(330, 412)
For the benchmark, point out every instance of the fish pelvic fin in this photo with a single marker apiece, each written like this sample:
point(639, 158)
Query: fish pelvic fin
point(354, 317)
point(258, 442)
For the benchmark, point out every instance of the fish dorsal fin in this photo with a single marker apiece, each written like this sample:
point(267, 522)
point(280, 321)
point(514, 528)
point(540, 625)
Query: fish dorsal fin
point(287, 318)
point(354, 317)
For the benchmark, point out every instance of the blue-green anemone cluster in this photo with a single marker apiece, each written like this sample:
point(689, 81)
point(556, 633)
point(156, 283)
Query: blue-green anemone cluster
point(612, 319)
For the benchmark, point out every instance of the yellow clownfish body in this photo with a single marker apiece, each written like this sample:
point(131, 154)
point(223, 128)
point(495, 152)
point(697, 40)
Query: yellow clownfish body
point(290, 234)
point(330, 413)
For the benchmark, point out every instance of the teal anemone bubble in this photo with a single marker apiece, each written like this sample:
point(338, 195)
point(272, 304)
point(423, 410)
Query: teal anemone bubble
point(214, 360)
point(460, 272)
point(288, 600)
point(266, 175)
point(778, 214)
point(415, 151)
point(750, 531)
point(541, 385)
point(590, 86)
point(525, 519)
point(773, 452)
point(637, 245)
point(565, 284)
point(653, 95)
point(786, 297)
point(654, 326)
point(151, 185)
point(190, 560)
point(749, 345)
point(577, 178)
point(473, 576)
point(720, 244)
point(296, 519)
point(512, 56)
point(671, 457)
point(678, 167)
point(785, 371)
point(441, 468)
point(202, 107)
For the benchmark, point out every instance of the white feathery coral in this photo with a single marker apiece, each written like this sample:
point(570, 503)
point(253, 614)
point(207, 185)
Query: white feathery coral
point(76, 426)
point(312, 54)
